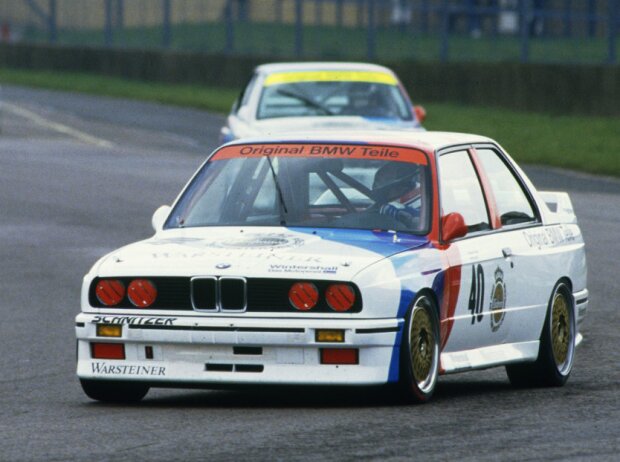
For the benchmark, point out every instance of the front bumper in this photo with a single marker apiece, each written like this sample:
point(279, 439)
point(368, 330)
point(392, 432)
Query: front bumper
point(581, 305)
point(581, 309)
point(202, 350)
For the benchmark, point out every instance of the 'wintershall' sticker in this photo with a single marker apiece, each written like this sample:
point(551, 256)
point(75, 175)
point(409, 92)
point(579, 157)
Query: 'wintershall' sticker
point(339, 151)
point(316, 269)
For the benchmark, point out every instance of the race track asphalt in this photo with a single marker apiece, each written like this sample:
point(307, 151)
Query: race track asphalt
point(82, 175)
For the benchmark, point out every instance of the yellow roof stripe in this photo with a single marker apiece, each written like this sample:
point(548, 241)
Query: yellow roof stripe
point(330, 76)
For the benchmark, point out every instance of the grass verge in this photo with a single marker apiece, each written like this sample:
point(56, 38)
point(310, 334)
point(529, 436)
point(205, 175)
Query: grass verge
point(582, 143)
point(210, 98)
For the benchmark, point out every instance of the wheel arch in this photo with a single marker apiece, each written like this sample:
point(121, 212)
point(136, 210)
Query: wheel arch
point(432, 295)
point(566, 280)
point(428, 291)
point(569, 284)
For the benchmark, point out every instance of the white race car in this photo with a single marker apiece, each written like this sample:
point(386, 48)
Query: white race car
point(349, 259)
point(290, 97)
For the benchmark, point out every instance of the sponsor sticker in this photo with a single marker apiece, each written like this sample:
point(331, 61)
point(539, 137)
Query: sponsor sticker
point(330, 76)
point(339, 151)
point(258, 241)
point(126, 369)
point(247, 241)
point(134, 320)
point(548, 237)
point(307, 269)
point(247, 253)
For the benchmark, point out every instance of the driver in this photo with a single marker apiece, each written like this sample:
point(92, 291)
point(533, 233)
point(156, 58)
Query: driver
point(397, 186)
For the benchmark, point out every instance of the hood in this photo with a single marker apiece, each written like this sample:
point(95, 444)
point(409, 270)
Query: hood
point(333, 254)
point(298, 124)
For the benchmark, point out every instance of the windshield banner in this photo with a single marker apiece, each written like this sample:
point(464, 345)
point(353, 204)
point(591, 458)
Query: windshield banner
point(330, 76)
point(335, 151)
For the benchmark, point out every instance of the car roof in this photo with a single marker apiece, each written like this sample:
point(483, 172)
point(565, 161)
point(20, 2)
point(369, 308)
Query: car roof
point(271, 68)
point(425, 140)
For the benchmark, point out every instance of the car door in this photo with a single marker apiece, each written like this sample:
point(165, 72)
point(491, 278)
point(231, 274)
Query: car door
point(478, 318)
point(527, 291)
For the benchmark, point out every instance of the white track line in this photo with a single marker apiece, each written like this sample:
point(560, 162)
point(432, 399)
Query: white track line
point(77, 134)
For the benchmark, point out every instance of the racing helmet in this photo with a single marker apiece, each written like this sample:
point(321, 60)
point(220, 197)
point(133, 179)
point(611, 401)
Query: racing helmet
point(395, 180)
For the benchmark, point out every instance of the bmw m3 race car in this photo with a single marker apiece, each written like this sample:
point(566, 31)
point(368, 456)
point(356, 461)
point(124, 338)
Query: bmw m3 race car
point(356, 259)
point(289, 97)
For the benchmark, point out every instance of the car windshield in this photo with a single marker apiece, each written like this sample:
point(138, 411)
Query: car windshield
point(309, 185)
point(337, 98)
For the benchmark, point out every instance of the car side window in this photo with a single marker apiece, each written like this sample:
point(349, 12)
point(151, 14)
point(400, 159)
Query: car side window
point(512, 202)
point(248, 90)
point(245, 94)
point(461, 191)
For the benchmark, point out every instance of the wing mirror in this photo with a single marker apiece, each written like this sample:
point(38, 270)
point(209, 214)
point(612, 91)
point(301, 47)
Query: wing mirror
point(225, 135)
point(420, 113)
point(159, 217)
point(453, 226)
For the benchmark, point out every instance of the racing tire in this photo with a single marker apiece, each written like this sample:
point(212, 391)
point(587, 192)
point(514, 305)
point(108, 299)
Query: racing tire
point(419, 351)
point(114, 392)
point(557, 346)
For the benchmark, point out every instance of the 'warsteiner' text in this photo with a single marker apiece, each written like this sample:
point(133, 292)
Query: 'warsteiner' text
point(124, 369)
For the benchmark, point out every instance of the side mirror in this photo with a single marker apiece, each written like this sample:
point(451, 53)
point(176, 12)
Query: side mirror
point(225, 135)
point(453, 226)
point(159, 217)
point(420, 113)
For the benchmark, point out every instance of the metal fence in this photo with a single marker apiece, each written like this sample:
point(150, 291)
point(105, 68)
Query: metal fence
point(567, 31)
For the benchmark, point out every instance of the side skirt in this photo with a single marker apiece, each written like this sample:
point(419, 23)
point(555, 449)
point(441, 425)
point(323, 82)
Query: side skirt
point(491, 356)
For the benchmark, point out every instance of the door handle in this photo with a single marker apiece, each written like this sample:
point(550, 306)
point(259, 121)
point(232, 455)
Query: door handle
point(507, 252)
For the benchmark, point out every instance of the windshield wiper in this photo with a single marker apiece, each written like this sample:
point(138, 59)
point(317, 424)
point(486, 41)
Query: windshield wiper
point(305, 99)
point(282, 205)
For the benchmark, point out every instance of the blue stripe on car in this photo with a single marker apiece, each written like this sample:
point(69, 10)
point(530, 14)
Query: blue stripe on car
point(384, 243)
point(406, 298)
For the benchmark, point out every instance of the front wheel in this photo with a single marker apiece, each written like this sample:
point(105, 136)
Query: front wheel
point(420, 351)
point(557, 345)
point(114, 392)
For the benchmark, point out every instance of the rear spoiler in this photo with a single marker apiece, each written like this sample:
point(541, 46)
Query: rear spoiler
point(560, 206)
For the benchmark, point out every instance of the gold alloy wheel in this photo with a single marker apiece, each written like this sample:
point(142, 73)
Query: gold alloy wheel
point(560, 329)
point(422, 343)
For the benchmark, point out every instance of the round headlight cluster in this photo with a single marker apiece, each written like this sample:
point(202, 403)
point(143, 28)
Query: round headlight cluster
point(142, 293)
point(110, 292)
point(304, 296)
point(340, 297)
